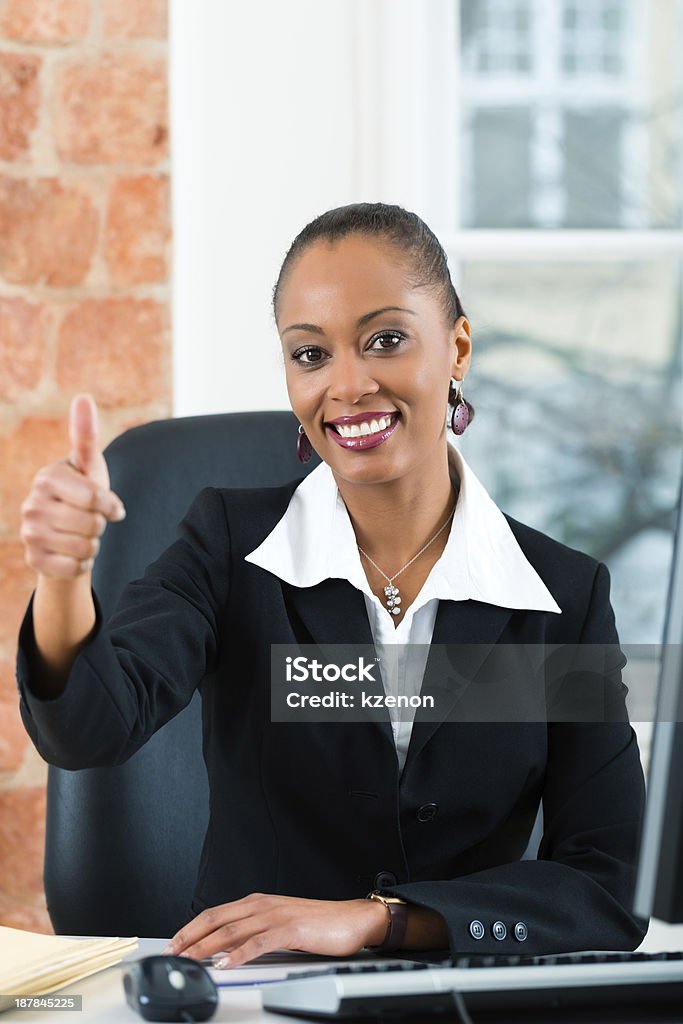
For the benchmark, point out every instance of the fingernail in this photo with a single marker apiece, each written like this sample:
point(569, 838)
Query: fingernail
point(118, 513)
point(223, 962)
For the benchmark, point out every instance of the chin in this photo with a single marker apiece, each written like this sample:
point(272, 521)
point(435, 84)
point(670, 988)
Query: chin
point(366, 471)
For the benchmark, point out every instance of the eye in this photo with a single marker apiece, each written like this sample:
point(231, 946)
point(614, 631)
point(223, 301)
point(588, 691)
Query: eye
point(395, 337)
point(309, 350)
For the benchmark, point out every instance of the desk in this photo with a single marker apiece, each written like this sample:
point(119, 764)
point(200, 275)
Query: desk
point(104, 1001)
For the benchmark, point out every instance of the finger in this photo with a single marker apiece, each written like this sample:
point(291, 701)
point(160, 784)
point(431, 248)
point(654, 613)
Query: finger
point(41, 542)
point(257, 945)
point(58, 515)
point(73, 520)
point(68, 485)
point(57, 542)
point(58, 566)
point(255, 932)
point(83, 432)
point(209, 921)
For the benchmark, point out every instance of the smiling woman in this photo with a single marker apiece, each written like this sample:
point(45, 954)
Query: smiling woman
point(348, 236)
point(376, 343)
point(391, 542)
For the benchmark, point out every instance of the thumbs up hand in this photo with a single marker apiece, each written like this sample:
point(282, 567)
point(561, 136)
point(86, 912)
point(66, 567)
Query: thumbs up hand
point(70, 502)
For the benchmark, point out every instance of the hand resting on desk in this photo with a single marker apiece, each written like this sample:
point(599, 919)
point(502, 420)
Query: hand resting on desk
point(260, 923)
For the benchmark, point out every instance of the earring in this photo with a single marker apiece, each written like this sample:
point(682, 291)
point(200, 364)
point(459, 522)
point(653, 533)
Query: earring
point(461, 413)
point(304, 448)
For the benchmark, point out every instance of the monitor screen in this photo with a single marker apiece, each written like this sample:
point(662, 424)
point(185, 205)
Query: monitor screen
point(659, 885)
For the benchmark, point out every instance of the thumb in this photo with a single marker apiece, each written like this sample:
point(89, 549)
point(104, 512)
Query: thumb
point(84, 434)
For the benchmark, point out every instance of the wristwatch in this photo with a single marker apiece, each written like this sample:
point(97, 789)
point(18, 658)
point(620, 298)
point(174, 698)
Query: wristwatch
point(398, 921)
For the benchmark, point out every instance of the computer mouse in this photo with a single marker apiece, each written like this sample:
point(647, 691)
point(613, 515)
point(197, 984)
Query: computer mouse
point(170, 988)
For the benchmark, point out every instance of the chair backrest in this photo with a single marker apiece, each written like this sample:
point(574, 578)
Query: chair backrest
point(122, 844)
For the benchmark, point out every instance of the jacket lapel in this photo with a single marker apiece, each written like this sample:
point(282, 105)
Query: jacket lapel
point(333, 612)
point(475, 625)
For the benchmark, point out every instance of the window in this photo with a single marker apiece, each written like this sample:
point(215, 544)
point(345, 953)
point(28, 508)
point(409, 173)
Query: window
point(503, 30)
point(500, 139)
point(547, 89)
point(567, 251)
point(594, 36)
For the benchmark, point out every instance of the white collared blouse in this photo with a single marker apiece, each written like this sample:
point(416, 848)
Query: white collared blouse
point(481, 561)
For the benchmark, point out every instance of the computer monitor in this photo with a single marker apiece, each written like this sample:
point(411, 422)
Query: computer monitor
point(659, 884)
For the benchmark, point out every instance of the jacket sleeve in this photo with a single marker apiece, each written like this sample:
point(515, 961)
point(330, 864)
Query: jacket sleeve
point(577, 894)
point(142, 666)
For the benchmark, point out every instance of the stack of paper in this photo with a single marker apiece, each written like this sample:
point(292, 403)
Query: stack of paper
point(34, 965)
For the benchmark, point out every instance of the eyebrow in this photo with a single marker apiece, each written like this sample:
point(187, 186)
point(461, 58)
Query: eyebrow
point(360, 322)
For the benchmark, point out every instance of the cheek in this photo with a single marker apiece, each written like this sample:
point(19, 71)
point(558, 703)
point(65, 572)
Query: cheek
point(430, 384)
point(294, 395)
point(304, 392)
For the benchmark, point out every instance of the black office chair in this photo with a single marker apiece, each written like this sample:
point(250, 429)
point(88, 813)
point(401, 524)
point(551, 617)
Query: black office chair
point(122, 844)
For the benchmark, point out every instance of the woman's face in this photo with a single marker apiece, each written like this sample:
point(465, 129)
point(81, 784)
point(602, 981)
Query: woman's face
point(367, 353)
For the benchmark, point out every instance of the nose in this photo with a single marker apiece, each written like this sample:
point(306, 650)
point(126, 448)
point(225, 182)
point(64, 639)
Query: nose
point(350, 379)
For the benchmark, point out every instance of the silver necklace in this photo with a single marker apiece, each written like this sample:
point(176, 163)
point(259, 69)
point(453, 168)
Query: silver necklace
point(393, 594)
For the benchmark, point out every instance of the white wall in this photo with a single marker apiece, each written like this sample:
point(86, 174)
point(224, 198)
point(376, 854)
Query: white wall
point(280, 111)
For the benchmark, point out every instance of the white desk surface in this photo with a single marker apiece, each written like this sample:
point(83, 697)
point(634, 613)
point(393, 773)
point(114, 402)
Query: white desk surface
point(104, 1000)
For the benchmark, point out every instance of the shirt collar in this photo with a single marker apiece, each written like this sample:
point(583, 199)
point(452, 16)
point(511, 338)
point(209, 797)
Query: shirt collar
point(482, 560)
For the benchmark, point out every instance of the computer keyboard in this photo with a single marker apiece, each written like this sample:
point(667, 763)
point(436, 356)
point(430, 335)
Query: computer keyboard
point(471, 983)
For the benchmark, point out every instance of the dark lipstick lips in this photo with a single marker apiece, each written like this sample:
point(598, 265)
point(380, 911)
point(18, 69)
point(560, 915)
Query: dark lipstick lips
point(345, 421)
point(364, 440)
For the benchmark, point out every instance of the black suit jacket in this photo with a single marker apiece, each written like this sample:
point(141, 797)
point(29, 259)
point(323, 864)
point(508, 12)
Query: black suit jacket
point(318, 809)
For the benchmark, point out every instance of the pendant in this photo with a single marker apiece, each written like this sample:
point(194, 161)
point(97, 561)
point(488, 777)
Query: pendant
point(393, 599)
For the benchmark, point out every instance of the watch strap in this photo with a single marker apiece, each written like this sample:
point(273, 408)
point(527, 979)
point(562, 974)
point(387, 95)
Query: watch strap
point(398, 922)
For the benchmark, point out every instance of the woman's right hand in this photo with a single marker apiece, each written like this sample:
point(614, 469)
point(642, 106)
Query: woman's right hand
point(70, 502)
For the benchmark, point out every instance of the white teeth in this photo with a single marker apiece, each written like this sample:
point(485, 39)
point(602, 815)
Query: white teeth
point(365, 428)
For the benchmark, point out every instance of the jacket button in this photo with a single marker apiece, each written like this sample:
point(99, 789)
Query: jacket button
point(427, 812)
point(476, 930)
point(521, 931)
point(499, 930)
point(385, 878)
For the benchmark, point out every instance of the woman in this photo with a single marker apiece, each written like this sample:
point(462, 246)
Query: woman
point(391, 540)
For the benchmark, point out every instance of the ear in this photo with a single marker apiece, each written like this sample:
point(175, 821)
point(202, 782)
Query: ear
point(461, 344)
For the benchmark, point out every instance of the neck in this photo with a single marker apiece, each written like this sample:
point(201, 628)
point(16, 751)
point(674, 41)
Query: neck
point(394, 519)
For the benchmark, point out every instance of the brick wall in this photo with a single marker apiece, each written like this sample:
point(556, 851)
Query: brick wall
point(84, 301)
